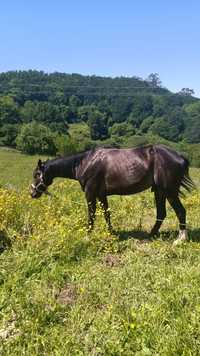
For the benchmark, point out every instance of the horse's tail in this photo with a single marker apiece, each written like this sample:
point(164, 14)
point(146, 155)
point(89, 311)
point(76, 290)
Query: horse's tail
point(171, 171)
point(186, 181)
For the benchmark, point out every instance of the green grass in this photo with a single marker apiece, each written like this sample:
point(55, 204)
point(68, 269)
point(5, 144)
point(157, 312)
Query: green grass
point(63, 292)
point(16, 168)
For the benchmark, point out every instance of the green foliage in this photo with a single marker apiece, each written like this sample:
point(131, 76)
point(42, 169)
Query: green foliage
point(83, 112)
point(65, 145)
point(146, 124)
point(142, 108)
point(8, 111)
point(121, 108)
point(97, 125)
point(74, 103)
point(80, 131)
point(170, 126)
point(44, 112)
point(186, 92)
point(59, 127)
point(36, 138)
point(8, 134)
point(192, 123)
point(154, 80)
point(57, 100)
point(77, 140)
point(122, 129)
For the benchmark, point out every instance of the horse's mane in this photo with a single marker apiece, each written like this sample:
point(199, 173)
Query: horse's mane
point(80, 154)
point(76, 156)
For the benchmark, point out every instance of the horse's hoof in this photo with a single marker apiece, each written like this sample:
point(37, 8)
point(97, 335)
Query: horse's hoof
point(111, 230)
point(182, 237)
point(153, 234)
point(89, 229)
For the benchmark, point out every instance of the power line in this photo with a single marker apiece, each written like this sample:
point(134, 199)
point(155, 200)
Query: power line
point(55, 87)
point(116, 91)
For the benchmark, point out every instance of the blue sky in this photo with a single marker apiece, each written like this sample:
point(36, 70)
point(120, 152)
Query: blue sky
point(111, 38)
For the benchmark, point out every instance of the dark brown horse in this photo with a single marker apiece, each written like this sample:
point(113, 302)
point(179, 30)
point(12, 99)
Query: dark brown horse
point(107, 171)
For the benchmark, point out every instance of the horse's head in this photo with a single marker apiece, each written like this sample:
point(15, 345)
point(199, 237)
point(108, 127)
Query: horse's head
point(41, 180)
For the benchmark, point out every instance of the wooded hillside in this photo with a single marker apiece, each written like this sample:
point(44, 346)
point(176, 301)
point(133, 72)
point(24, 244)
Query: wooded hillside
point(43, 106)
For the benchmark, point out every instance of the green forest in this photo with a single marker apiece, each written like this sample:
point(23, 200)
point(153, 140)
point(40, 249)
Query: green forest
point(61, 113)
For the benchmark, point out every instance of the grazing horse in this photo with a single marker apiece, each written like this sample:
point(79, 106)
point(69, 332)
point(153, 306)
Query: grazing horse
point(106, 171)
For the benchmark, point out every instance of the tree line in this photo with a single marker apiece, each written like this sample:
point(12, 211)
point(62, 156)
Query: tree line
point(36, 110)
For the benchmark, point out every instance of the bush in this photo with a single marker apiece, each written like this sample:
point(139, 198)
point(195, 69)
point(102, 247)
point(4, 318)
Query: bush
point(97, 125)
point(8, 134)
point(66, 145)
point(36, 138)
point(122, 129)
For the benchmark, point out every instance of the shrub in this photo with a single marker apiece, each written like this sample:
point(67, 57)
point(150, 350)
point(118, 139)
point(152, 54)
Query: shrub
point(122, 129)
point(8, 134)
point(36, 138)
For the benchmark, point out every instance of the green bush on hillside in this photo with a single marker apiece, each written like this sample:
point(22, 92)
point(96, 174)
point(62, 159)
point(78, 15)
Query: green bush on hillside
point(36, 138)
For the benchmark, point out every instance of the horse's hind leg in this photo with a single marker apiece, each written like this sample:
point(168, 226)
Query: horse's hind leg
point(91, 202)
point(181, 215)
point(104, 203)
point(91, 213)
point(160, 200)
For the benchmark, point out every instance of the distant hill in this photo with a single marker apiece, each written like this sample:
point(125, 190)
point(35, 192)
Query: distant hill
point(113, 109)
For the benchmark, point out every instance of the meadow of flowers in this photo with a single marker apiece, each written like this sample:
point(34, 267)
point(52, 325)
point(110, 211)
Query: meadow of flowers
point(64, 292)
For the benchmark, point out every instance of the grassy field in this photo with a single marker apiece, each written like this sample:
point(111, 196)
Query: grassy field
point(63, 292)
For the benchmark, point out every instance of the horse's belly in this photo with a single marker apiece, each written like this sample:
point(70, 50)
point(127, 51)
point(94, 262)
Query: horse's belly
point(126, 188)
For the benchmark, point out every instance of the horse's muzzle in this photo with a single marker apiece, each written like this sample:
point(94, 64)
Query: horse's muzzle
point(34, 192)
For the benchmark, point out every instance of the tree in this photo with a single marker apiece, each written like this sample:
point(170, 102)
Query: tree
point(58, 99)
point(146, 124)
point(142, 107)
point(36, 138)
point(154, 80)
point(170, 126)
point(121, 108)
point(160, 106)
point(9, 113)
point(8, 134)
point(66, 145)
point(44, 112)
point(186, 92)
point(122, 129)
point(192, 123)
point(74, 103)
point(28, 112)
point(97, 125)
point(83, 112)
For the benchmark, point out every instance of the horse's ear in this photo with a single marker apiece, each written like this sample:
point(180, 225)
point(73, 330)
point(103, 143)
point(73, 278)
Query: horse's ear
point(39, 164)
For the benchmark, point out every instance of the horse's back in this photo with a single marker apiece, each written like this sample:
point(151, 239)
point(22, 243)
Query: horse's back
point(126, 171)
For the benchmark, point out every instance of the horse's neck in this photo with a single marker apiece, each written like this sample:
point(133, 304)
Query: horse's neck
point(64, 168)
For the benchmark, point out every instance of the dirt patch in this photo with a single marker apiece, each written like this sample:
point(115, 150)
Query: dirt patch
point(67, 295)
point(10, 330)
point(143, 242)
point(111, 260)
